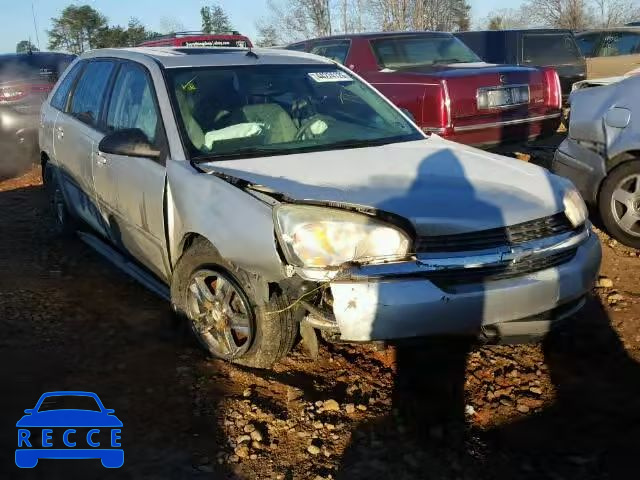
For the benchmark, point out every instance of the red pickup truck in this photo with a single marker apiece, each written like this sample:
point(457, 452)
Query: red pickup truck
point(447, 88)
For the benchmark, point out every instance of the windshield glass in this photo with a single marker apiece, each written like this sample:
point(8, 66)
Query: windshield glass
point(410, 51)
point(272, 110)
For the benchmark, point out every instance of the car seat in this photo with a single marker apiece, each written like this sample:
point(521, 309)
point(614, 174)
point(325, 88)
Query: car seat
point(280, 126)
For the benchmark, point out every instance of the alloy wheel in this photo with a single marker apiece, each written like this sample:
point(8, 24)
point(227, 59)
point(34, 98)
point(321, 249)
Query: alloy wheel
point(625, 204)
point(220, 313)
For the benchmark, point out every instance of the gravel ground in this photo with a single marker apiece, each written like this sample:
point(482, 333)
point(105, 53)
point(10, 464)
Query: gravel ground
point(568, 408)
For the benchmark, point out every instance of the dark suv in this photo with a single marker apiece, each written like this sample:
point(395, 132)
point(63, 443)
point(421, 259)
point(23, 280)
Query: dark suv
point(532, 48)
point(25, 81)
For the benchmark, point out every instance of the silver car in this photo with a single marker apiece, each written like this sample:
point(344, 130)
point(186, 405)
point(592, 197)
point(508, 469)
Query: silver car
point(601, 154)
point(270, 193)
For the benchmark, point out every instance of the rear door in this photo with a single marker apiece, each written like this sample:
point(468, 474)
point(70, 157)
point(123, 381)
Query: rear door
point(76, 137)
point(56, 106)
point(557, 50)
point(130, 190)
point(618, 54)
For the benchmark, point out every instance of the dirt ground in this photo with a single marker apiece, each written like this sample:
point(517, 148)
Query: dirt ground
point(568, 408)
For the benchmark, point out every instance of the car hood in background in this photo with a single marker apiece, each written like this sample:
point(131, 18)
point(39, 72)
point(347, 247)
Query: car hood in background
point(440, 186)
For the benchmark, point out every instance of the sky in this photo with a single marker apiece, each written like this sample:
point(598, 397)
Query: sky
point(16, 20)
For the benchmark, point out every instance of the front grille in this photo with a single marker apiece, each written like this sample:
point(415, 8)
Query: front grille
point(449, 278)
point(496, 237)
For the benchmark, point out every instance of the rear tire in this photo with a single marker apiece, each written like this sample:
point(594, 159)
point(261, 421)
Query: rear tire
point(619, 203)
point(260, 338)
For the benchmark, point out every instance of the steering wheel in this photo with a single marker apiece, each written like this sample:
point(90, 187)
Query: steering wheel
point(304, 128)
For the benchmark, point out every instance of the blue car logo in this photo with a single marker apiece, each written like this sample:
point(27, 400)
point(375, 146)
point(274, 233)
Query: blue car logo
point(69, 425)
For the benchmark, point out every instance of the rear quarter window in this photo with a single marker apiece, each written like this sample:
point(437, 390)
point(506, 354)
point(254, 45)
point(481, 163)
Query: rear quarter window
point(587, 43)
point(336, 50)
point(549, 49)
point(61, 95)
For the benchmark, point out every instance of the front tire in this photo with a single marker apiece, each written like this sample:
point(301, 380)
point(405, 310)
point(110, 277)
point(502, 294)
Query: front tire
point(222, 306)
point(65, 223)
point(619, 203)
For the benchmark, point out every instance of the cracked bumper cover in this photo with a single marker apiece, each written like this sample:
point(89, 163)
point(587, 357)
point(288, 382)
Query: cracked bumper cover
point(394, 308)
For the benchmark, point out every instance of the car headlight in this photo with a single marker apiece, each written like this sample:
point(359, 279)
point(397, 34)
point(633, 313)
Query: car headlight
point(575, 208)
point(317, 237)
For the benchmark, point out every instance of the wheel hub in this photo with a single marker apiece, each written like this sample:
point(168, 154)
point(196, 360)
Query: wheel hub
point(219, 314)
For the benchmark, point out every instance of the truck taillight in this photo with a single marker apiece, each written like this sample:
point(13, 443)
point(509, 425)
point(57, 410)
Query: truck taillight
point(442, 111)
point(554, 89)
point(10, 94)
point(445, 109)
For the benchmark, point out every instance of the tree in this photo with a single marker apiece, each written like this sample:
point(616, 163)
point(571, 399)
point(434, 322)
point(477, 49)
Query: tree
point(76, 29)
point(611, 13)
point(495, 23)
point(136, 32)
point(461, 15)
point(571, 14)
point(443, 15)
point(111, 37)
point(267, 35)
point(215, 20)
point(507, 18)
point(25, 46)
point(298, 19)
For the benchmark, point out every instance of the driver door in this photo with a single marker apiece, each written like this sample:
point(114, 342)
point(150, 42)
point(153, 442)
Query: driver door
point(130, 190)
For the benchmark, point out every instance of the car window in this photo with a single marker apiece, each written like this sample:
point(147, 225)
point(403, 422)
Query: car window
point(89, 92)
point(298, 47)
point(280, 109)
point(69, 402)
point(132, 102)
point(61, 95)
point(550, 49)
point(411, 51)
point(335, 50)
point(620, 43)
point(587, 43)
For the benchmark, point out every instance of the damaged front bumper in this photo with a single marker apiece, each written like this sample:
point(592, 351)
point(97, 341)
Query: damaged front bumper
point(403, 300)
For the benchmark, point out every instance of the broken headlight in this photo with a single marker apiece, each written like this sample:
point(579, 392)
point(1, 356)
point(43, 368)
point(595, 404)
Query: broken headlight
point(316, 237)
point(575, 208)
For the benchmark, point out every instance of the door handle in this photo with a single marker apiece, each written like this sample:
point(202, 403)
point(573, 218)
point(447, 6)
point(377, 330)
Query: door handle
point(60, 132)
point(101, 159)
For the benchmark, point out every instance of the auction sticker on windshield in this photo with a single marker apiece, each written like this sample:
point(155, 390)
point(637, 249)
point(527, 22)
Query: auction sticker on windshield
point(337, 76)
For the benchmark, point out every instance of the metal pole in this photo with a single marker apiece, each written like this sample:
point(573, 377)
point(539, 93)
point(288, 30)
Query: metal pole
point(35, 24)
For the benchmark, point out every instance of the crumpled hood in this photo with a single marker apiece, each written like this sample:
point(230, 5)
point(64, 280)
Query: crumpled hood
point(440, 186)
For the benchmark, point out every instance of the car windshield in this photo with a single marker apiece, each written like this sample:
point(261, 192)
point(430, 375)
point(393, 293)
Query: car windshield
point(402, 52)
point(69, 402)
point(280, 109)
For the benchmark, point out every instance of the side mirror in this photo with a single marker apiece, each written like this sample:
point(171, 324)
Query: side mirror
point(109, 411)
point(618, 117)
point(131, 142)
point(408, 114)
point(29, 411)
